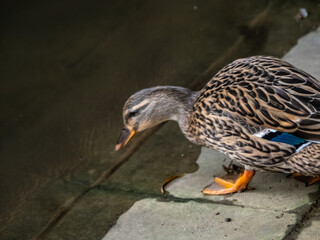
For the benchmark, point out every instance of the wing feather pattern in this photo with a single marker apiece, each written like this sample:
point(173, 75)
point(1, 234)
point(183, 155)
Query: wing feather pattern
point(268, 92)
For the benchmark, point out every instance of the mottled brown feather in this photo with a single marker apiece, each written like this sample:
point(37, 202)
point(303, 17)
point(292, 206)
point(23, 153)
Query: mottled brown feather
point(251, 94)
point(266, 91)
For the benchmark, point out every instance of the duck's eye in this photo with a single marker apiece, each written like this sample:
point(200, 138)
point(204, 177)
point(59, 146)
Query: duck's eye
point(132, 114)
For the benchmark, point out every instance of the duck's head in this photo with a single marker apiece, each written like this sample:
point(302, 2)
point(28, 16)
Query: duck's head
point(150, 107)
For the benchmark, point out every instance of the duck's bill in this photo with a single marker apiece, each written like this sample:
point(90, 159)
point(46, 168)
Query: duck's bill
point(126, 135)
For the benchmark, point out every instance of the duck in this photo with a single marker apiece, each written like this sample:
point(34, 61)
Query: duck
point(261, 111)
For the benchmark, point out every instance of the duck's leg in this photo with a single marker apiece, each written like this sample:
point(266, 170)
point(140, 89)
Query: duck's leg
point(239, 185)
point(313, 180)
point(308, 180)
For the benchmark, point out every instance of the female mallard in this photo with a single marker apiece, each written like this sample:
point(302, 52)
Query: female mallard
point(261, 111)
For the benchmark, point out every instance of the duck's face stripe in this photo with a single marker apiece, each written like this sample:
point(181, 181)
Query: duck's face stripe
point(138, 107)
point(135, 110)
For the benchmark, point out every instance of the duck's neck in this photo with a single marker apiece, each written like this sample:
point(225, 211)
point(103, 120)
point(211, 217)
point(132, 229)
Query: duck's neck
point(182, 101)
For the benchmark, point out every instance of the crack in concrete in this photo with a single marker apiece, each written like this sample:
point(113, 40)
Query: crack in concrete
point(293, 232)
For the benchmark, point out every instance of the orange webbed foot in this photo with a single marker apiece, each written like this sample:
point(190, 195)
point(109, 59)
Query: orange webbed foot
point(231, 186)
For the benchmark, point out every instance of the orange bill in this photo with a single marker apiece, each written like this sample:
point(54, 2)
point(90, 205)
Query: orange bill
point(126, 135)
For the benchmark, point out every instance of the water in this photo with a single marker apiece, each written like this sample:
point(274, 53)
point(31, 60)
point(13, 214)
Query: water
point(68, 68)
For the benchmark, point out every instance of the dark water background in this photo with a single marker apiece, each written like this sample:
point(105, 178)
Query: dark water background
point(67, 67)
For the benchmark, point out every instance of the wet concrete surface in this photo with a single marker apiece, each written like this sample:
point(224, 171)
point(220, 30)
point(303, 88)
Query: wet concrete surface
point(66, 71)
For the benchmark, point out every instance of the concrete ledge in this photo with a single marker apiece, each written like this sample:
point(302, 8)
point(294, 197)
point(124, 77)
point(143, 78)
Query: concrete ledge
point(272, 190)
point(150, 219)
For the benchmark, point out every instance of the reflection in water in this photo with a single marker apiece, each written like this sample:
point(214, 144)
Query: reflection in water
point(67, 70)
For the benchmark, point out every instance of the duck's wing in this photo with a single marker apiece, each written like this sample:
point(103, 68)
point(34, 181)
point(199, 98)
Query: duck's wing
point(266, 91)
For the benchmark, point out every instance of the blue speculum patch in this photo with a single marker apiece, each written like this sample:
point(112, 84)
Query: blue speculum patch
point(285, 138)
